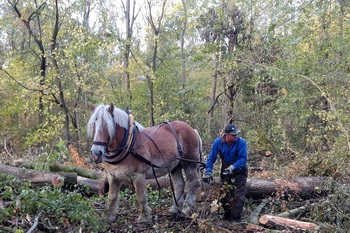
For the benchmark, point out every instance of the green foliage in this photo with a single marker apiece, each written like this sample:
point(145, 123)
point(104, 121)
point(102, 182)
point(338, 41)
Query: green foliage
point(282, 74)
point(336, 203)
point(59, 206)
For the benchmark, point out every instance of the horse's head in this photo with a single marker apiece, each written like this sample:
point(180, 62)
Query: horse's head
point(101, 128)
point(108, 127)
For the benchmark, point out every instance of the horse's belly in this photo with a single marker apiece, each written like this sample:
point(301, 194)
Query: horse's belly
point(156, 173)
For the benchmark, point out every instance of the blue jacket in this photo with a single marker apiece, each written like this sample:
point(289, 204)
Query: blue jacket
point(239, 159)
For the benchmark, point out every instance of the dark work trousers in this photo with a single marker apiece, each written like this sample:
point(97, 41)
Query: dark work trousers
point(234, 197)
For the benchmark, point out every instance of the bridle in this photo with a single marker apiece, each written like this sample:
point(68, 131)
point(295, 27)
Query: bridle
point(119, 154)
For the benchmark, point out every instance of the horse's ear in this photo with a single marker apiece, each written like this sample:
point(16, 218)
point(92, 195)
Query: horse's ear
point(111, 108)
point(92, 107)
point(127, 110)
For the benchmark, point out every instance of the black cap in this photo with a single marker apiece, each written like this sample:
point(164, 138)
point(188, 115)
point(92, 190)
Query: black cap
point(232, 129)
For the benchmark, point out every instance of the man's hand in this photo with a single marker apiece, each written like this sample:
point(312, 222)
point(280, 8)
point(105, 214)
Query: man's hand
point(207, 177)
point(229, 170)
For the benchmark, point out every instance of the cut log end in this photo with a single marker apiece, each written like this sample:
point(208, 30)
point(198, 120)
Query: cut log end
point(57, 180)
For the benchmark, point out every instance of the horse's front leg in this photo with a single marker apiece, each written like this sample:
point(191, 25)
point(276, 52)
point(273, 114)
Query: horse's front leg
point(113, 198)
point(142, 202)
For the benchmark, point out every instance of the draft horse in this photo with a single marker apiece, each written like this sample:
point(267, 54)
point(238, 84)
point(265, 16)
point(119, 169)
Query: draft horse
point(133, 153)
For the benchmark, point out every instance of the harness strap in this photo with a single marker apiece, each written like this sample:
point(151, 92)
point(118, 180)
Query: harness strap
point(148, 137)
point(146, 161)
point(179, 147)
point(99, 143)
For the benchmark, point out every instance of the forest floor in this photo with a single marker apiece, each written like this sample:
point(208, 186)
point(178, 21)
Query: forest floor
point(207, 218)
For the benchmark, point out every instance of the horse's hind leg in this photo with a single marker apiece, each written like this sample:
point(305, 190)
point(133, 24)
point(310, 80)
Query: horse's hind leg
point(142, 202)
point(178, 185)
point(191, 187)
point(113, 198)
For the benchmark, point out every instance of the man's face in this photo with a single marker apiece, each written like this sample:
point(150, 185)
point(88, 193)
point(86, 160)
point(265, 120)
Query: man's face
point(231, 137)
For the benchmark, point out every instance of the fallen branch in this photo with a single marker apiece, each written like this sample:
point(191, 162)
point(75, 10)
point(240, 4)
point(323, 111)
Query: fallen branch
point(294, 212)
point(254, 216)
point(36, 222)
point(275, 221)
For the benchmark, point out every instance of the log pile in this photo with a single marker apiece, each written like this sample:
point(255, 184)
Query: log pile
point(304, 187)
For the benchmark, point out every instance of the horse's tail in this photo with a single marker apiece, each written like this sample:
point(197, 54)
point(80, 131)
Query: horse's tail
point(200, 147)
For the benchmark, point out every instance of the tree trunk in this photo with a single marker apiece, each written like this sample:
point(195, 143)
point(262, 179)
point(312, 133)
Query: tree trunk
point(88, 173)
point(304, 187)
point(39, 178)
point(213, 92)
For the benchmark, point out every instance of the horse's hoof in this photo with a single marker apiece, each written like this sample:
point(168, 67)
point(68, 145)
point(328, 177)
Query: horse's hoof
point(174, 210)
point(109, 218)
point(187, 210)
point(144, 220)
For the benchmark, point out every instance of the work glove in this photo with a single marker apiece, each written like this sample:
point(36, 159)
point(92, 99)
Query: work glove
point(207, 177)
point(229, 170)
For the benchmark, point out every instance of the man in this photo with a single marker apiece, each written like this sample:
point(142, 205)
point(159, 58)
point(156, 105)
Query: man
point(233, 152)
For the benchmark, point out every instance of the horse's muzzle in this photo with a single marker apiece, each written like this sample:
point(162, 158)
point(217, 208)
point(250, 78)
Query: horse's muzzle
point(97, 155)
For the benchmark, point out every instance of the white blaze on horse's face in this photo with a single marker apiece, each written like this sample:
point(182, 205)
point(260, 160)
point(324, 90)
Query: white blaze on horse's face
point(100, 141)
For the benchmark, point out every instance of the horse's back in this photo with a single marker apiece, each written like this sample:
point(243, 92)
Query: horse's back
point(168, 135)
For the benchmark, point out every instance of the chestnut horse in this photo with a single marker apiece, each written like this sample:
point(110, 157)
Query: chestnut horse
point(132, 154)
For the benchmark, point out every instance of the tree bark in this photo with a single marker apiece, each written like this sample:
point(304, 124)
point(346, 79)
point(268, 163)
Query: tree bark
point(88, 173)
point(39, 178)
point(304, 187)
point(57, 167)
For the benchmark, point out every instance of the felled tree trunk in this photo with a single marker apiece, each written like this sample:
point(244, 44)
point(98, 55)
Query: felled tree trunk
point(304, 187)
point(66, 179)
point(39, 178)
point(57, 167)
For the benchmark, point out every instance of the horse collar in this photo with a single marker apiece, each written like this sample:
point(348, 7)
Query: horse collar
point(120, 153)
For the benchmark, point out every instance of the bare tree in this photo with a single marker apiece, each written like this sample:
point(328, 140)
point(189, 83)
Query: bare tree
point(130, 17)
point(37, 37)
point(152, 63)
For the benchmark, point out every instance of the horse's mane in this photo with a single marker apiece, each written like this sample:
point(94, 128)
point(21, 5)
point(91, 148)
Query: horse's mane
point(120, 118)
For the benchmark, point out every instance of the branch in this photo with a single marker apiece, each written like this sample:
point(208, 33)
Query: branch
point(294, 212)
point(11, 77)
point(5, 147)
point(36, 222)
point(216, 100)
point(254, 216)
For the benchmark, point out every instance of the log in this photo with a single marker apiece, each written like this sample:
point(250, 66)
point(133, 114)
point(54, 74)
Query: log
point(57, 167)
point(88, 173)
point(304, 187)
point(275, 221)
point(39, 178)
